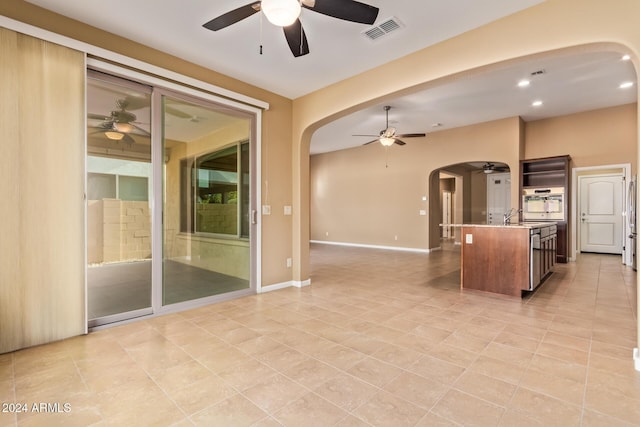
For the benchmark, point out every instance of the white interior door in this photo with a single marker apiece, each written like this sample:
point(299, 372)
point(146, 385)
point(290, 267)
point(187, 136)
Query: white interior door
point(601, 225)
point(498, 197)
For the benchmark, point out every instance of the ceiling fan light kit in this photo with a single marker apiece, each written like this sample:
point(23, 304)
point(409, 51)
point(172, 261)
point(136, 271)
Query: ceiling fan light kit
point(119, 125)
point(113, 135)
point(387, 142)
point(388, 136)
point(123, 127)
point(281, 12)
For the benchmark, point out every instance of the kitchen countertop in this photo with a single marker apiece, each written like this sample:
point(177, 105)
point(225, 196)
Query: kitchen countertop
point(512, 225)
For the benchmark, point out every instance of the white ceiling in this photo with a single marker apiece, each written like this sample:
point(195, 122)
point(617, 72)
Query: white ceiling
point(175, 27)
point(571, 83)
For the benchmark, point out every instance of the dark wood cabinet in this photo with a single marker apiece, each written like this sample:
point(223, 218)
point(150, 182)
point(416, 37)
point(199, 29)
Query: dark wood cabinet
point(545, 173)
point(562, 247)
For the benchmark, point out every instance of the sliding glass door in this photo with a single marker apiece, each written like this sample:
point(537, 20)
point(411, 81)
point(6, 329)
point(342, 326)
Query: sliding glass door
point(169, 200)
point(206, 200)
point(118, 189)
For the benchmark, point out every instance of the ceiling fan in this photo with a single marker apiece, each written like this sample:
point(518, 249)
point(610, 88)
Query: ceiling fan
point(119, 123)
point(491, 168)
point(388, 136)
point(285, 14)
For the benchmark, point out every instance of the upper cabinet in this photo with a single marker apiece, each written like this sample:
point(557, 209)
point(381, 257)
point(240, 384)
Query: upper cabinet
point(545, 172)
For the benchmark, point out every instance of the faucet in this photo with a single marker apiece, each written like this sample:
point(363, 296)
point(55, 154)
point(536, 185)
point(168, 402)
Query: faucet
point(508, 215)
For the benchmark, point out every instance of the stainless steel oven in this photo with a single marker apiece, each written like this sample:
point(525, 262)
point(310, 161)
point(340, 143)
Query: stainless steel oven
point(543, 204)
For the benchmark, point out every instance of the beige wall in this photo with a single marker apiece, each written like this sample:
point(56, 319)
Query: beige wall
point(357, 199)
point(353, 196)
point(592, 138)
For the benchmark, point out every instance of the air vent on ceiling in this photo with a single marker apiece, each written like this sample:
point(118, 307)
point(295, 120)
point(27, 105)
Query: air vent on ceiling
point(384, 28)
point(538, 72)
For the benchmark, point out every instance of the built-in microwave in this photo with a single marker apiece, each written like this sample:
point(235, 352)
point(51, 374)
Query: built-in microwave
point(543, 204)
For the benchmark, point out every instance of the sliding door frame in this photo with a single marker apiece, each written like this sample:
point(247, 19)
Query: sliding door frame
point(164, 87)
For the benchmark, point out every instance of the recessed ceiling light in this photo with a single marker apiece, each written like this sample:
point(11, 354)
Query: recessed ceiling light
point(524, 83)
point(626, 57)
point(626, 85)
point(536, 103)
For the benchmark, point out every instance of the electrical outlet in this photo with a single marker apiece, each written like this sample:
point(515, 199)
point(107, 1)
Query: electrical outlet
point(287, 210)
point(289, 262)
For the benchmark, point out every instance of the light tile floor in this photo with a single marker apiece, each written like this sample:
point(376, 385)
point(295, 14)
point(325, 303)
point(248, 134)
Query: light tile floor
point(380, 338)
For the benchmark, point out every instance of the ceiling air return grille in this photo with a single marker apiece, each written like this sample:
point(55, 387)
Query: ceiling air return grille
point(382, 29)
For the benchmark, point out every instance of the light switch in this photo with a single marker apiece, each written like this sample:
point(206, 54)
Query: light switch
point(468, 238)
point(266, 209)
point(423, 212)
point(287, 210)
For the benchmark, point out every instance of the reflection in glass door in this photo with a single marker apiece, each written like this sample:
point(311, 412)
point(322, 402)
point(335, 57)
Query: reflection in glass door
point(169, 198)
point(119, 185)
point(206, 149)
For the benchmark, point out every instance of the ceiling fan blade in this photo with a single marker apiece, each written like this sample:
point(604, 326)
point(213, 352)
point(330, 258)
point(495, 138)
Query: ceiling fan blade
point(370, 142)
point(100, 130)
point(367, 135)
point(144, 131)
point(102, 117)
point(412, 135)
point(233, 16)
point(397, 141)
point(296, 38)
point(348, 10)
point(127, 139)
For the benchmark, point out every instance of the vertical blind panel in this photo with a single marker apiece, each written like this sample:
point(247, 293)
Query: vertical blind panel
point(43, 296)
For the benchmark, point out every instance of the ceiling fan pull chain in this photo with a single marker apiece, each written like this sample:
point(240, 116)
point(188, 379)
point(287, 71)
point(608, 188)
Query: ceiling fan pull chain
point(301, 35)
point(261, 15)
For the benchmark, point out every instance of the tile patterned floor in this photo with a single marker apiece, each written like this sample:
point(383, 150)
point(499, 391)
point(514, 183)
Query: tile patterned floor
point(380, 338)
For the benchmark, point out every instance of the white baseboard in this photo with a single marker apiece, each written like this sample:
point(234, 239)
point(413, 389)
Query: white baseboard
point(636, 358)
point(361, 245)
point(282, 285)
point(301, 284)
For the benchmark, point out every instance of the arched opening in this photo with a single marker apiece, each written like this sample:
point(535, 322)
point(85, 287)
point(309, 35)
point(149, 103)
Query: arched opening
point(477, 192)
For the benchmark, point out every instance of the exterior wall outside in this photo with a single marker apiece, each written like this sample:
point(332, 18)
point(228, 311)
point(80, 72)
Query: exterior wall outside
point(226, 256)
point(123, 231)
point(221, 217)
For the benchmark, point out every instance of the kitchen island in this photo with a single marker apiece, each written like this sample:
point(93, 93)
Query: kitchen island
point(506, 259)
